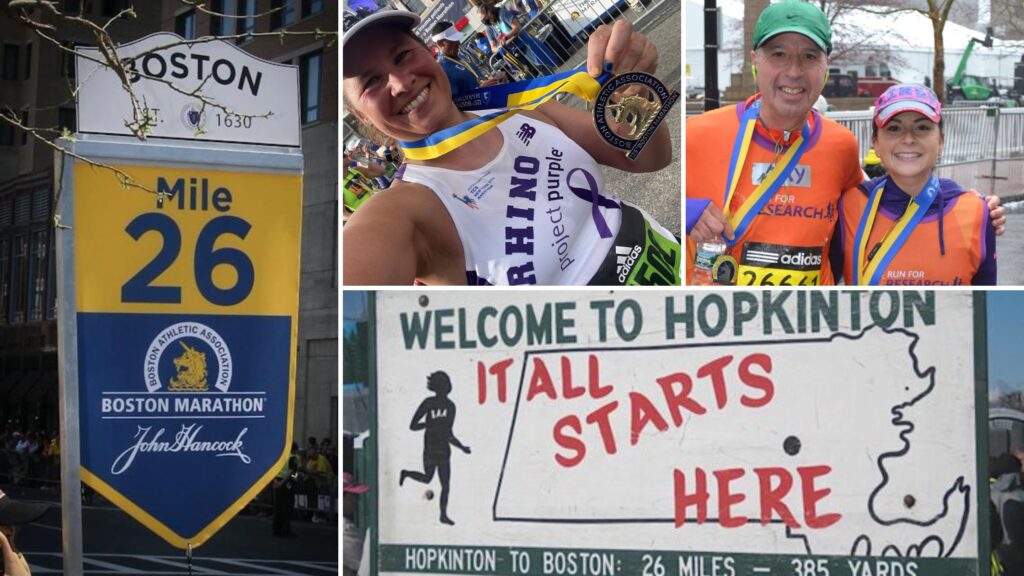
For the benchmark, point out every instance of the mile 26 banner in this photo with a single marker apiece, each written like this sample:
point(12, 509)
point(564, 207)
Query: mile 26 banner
point(185, 313)
point(696, 434)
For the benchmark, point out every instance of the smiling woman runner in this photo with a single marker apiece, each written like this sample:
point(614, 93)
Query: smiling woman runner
point(523, 202)
point(910, 227)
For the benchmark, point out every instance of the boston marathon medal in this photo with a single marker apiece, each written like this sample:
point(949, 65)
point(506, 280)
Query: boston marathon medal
point(641, 113)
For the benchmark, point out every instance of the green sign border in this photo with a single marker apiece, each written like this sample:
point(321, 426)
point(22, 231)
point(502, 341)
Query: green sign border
point(390, 556)
point(981, 427)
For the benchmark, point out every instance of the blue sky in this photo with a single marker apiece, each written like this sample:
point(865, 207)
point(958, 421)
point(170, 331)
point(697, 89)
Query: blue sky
point(1005, 352)
point(353, 306)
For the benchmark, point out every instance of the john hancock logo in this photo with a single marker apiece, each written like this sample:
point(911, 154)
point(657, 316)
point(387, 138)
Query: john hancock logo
point(194, 118)
point(185, 367)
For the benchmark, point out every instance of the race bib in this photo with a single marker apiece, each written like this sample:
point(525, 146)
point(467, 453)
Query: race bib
point(764, 264)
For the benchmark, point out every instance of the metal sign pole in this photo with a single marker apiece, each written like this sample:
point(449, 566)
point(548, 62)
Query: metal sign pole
point(711, 94)
point(67, 362)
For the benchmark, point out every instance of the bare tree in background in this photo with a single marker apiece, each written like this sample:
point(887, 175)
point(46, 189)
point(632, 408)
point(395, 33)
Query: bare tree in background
point(1008, 18)
point(938, 12)
point(859, 43)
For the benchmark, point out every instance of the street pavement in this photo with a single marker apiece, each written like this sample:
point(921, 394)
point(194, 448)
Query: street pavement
point(115, 543)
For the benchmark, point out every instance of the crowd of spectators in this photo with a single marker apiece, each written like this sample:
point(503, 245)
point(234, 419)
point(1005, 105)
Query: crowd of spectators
point(30, 458)
point(306, 487)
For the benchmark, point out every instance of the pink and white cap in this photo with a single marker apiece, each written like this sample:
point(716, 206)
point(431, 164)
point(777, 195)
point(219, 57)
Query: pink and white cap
point(907, 98)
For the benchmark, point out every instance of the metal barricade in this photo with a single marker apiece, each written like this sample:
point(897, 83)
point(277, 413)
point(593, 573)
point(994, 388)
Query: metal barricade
point(554, 33)
point(972, 134)
point(1010, 138)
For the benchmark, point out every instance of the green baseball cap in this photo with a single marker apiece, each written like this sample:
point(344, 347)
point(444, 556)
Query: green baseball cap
point(794, 16)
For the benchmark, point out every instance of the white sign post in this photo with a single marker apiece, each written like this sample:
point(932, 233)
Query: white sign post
point(698, 434)
point(206, 270)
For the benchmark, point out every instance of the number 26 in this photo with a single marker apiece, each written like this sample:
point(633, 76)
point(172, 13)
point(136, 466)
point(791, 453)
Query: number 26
point(140, 289)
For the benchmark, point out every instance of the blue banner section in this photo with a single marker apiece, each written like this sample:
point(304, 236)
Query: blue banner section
point(182, 414)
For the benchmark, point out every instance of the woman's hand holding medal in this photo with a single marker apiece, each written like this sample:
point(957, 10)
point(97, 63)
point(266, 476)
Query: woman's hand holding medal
point(632, 104)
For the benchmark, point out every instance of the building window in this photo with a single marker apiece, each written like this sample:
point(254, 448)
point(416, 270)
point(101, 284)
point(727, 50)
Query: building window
point(222, 25)
point(28, 61)
point(185, 25)
point(283, 14)
point(19, 281)
point(310, 7)
point(246, 23)
point(6, 133)
point(309, 86)
point(11, 57)
point(66, 119)
point(51, 282)
point(5, 276)
point(37, 276)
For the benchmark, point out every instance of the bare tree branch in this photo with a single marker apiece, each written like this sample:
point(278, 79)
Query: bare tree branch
point(47, 21)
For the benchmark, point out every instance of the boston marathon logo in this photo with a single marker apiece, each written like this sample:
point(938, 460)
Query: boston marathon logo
point(195, 347)
point(187, 373)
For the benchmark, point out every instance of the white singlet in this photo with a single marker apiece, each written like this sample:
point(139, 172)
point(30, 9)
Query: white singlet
point(532, 215)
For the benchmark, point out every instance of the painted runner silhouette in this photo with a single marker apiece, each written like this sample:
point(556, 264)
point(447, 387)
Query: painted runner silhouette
point(436, 415)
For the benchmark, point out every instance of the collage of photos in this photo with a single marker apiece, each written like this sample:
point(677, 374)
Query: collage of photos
point(283, 287)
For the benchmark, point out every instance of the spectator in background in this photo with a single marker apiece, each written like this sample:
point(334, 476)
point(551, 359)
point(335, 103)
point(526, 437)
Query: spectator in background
point(481, 44)
point(35, 456)
point(1011, 552)
point(21, 460)
point(1005, 473)
point(320, 473)
point(51, 459)
point(283, 486)
point(327, 449)
point(505, 31)
point(462, 76)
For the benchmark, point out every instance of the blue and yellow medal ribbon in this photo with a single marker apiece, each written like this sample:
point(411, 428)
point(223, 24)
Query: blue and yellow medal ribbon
point(772, 181)
point(869, 265)
point(508, 99)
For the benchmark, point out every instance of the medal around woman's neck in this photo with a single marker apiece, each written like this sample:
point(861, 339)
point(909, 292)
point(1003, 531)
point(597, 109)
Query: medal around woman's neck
point(642, 114)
